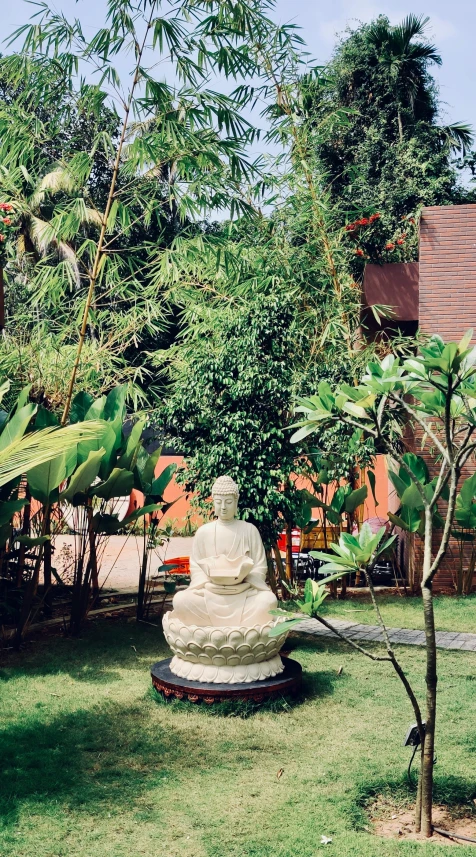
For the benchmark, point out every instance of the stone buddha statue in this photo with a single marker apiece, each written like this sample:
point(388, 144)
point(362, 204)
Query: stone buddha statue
point(218, 626)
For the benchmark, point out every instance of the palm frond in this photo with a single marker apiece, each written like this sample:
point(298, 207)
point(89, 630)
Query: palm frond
point(41, 446)
point(458, 136)
point(59, 179)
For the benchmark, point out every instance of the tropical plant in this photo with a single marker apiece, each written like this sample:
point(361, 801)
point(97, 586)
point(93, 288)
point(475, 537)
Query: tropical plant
point(404, 60)
point(391, 155)
point(464, 532)
point(180, 140)
point(435, 392)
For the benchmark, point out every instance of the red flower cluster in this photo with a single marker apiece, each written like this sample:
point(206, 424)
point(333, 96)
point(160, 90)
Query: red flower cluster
point(364, 221)
point(390, 246)
point(359, 252)
point(8, 227)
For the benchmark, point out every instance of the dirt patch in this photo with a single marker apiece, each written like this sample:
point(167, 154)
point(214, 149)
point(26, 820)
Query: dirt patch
point(398, 822)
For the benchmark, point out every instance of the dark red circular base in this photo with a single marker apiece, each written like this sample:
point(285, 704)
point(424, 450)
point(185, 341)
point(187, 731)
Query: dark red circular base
point(170, 685)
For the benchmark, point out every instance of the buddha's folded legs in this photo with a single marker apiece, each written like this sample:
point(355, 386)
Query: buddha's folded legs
point(204, 608)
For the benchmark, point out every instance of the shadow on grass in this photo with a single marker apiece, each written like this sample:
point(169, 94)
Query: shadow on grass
point(103, 650)
point(91, 759)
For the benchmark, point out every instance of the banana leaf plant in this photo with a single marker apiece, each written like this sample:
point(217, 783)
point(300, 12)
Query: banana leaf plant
point(27, 442)
point(153, 487)
point(107, 468)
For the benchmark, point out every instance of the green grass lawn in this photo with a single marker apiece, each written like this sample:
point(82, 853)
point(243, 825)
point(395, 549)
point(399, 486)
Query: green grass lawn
point(451, 613)
point(95, 766)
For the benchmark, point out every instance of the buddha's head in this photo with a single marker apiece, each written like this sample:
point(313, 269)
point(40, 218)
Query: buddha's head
point(225, 493)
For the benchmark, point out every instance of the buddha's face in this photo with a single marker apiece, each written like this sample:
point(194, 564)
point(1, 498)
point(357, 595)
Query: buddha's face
point(226, 506)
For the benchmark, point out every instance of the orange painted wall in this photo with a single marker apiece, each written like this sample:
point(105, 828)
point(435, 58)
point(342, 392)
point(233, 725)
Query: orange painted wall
point(182, 507)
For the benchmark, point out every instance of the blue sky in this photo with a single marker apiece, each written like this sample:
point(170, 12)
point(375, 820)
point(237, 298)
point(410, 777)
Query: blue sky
point(453, 27)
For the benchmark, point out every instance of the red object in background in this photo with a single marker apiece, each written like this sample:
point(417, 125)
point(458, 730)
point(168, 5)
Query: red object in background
point(182, 563)
point(296, 541)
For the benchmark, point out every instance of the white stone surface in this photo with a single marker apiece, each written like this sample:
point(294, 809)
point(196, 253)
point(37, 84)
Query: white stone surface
point(223, 655)
point(227, 599)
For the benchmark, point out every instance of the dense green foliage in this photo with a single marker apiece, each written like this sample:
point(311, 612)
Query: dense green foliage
point(102, 173)
point(229, 407)
point(391, 155)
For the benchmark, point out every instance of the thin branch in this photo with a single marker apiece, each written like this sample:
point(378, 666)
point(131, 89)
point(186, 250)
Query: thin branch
point(351, 642)
point(422, 423)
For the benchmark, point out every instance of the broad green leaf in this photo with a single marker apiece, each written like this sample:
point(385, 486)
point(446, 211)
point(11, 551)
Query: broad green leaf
point(328, 557)
point(5, 531)
point(305, 431)
point(465, 342)
point(23, 397)
point(284, 627)
point(146, 469)
point(84, 476)
point(119, 484)
point(467, 491)
point(139, 513)
point(417, 465)
point(17, 425)
point(45, 419)
point(96, 410)
point(412, 498)
point(161, 483)
point(9, 508)
point(80, 407)
point(127, 458)
point(45, 479)
point(115, 405)
point(398, 483)
point(107, 524)
point(31, 542)
point(106, 441)
point(355, 499)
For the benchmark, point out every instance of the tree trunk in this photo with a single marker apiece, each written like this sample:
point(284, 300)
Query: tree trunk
point(142, 577)
point(400, 126)
point(93, 554)
point(47, 590)
point(431, 684)
point(281, 574)
point(428, 750)
point(25, 531)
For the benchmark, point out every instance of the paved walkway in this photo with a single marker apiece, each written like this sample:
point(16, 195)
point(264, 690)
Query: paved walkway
point(121, 558)
point(373, 634)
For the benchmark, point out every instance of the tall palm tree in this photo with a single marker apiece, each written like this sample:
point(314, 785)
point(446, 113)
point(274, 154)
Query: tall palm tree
point(403, 59)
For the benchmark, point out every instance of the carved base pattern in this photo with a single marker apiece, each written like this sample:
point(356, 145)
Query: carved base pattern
point(223, 655)
point(172, 687)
